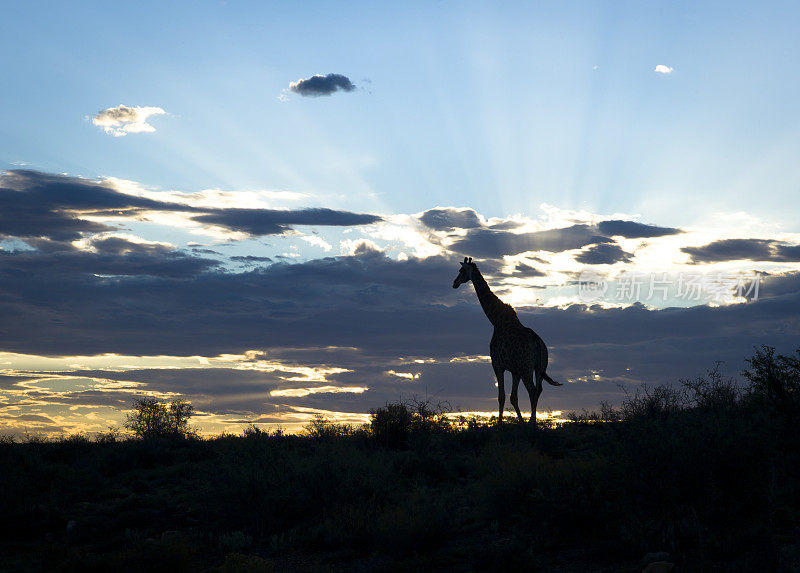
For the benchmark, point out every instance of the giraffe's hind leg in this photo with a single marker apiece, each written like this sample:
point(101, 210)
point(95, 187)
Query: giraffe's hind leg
point(514, 398)
point(533, 391)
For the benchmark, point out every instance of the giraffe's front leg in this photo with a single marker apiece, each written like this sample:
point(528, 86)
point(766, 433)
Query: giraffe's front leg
point(501, 392)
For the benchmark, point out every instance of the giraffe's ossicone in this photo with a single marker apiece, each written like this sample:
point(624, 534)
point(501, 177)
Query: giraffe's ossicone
point(514, 347)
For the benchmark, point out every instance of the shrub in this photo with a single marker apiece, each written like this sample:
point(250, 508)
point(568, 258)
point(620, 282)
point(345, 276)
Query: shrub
point(240, 563)
point(607, 413)
point(391, 425)
point(112, 436)
point(398, 423)
point(775, 379)
point(154, 419)
point(253, 431)
point(712, 392)
point(659, 403)
point(234, 542)
point(321, 428)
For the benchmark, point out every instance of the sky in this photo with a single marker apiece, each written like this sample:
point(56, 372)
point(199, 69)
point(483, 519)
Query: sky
point(260, 207)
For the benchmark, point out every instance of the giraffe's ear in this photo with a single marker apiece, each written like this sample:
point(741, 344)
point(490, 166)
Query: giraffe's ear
point(465, 259)
point(470, 259)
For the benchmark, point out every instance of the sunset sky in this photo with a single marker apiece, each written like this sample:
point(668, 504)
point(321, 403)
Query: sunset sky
point(260, 207)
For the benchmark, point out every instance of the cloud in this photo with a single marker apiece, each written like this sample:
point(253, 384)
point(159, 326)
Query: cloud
point(251, 259)
point(506, 225)
point(120, 246)
point(495, 243)
point(604, 254)
point(317, 241)
point(35, 204)
point(358, 317)
point(448, 218)
point(275, 222)
point(485, 243)
point(113, 257)
point(744, 249)
point(633, 230)
point(384, 316)
point(351, 319)
point(317, 85)
point(662, 69)
point(526, 271)
point(122, 120)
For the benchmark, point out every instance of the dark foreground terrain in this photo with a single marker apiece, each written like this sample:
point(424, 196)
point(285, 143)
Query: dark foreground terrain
point(707, 473)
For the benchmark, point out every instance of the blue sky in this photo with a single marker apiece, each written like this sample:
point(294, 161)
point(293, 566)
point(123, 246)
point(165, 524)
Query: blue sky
point(534, 118)
point(494, 107)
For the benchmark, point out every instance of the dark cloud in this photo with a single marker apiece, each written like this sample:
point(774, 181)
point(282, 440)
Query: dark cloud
point(505, 226)
point(120, 246)
point(115, 256)
point(447, 219)
point(633, 230)
point(34, 418)
point(744, 249)
point(36, 205)
point(250, 259)
point(365, 313)
point(13, 380)
point(526, 271)
point(275, 222)
point(495, 242)
point(485, 243)
point(369, 301)
point(317, 85)
point(604, 254)
point(368, 314)
point(33, 204)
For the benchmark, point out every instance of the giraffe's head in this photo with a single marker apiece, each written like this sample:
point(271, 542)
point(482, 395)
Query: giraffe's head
point(465, 274)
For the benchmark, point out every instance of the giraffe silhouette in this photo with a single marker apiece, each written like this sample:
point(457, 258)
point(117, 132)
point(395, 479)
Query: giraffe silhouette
point(514, 347)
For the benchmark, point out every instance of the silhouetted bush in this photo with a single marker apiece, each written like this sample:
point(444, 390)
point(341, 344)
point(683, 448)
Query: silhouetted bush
point(712, 392)
point(399, 424)
point(696, 470)
point(154, 419)
point(391, 426)
point(112, 436)
point(239, 563)
point(776, 379)
point(659, 403)
point(607, 413)
point(253, 431)
point(320, 428)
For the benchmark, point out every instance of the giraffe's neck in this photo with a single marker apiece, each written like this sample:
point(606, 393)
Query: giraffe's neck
point(495, 309)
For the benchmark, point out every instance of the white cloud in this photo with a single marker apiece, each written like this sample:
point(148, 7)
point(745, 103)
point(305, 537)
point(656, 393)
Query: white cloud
point(317, 242)
point(122, 120)
point(210, 198)
point(662, 69)
point(358, 247)
point(405, 375)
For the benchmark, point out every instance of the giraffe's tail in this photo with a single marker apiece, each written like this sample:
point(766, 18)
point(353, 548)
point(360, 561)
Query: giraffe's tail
point(549, 380)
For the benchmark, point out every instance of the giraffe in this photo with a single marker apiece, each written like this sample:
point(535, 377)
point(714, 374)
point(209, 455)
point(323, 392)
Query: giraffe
point(514, 347)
